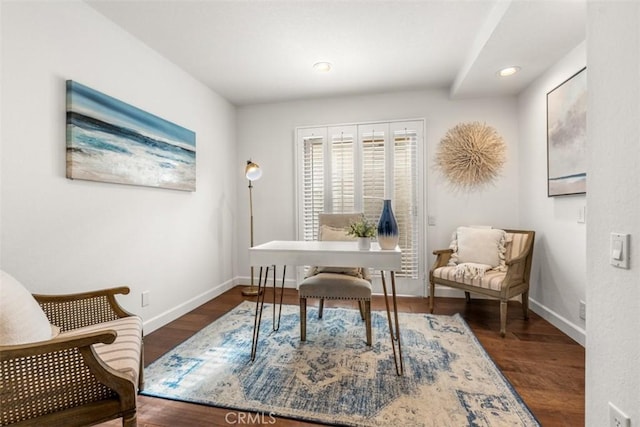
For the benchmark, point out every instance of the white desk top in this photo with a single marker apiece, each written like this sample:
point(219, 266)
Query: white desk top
point(326, 253)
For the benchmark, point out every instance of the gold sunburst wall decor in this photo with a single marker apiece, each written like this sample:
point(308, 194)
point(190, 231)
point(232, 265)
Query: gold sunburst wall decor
point(471, 155)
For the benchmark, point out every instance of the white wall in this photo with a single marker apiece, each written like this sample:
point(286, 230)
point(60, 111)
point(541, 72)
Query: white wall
point(266, 134)
point(59, 235)
point(62, 236)
point(613, 295)
point(558, 275)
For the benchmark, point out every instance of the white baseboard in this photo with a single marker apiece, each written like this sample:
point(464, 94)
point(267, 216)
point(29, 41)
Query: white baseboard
point(245, 280)
point(195, 302)
point(574, 331)
point(182, 309)
point(446, 292)
point(292, 283)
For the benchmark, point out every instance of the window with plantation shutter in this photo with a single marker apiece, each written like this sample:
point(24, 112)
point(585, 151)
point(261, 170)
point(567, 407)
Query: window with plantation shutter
point(353, 168)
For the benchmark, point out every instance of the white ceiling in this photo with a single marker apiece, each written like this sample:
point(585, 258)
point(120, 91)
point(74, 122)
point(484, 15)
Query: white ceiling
point(256, 51)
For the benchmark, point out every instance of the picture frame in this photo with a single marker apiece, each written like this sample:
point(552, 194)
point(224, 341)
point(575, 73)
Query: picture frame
point(111, 141)
point(566, 136)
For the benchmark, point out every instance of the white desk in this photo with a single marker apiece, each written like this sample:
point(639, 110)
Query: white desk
point(333, 254)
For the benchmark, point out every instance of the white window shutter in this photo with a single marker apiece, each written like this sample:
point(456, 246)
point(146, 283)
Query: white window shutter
point(405, 200)
point(353, 168)
point(373, 169)
point(313, 170)
point(342, 146)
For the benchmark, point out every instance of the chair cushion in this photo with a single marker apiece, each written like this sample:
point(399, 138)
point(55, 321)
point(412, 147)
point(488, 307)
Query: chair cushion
point(491, 279)
point(335, 286)
point(349, 271)
point(21, 317)
point(124, 353)
point(478, 245)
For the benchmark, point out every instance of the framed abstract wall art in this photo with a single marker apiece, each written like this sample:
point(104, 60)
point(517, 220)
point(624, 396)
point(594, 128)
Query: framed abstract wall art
point(111, 141)
point(567, 137)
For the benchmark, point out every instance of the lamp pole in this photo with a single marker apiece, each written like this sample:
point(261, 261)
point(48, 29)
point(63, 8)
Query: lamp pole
point(252, 172)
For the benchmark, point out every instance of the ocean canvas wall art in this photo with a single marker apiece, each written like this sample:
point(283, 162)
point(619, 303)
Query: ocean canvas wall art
point(567, 137)
point(111, 141)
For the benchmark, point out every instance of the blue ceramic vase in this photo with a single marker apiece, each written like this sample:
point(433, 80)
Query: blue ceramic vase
point(387, 228)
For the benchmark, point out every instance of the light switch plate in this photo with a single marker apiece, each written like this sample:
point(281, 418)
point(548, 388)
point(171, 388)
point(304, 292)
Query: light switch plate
point(145, 298)
point(582, 215)
point(619, 250)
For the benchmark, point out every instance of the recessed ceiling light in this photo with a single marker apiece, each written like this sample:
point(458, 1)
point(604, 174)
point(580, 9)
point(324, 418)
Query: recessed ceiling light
point(322, 67)
point(508, 71)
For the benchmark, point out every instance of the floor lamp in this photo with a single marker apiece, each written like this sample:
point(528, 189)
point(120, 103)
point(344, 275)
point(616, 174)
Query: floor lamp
point(253, 172)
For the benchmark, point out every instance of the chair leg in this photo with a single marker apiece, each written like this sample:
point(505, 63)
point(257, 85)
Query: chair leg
point(525, 304)
point(130, 420)
point(361, 306)
point(432, 291)
point(367, 320)
point(320, 308)
point(503, 318)
point(303, 319)
point(467, 296)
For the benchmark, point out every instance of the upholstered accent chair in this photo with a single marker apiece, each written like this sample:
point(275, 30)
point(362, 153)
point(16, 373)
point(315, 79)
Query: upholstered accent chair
point(88, 372)
point(326, 282)
point(491, 262)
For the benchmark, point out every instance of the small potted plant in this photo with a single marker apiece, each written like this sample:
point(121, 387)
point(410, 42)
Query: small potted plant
point(364, 231)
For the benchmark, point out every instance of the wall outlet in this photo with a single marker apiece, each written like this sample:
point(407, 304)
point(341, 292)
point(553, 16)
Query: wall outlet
point(583, 310)
point(145, 298)
point(617, 418)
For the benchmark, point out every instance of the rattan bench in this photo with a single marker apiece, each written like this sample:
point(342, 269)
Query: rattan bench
point(89, 373)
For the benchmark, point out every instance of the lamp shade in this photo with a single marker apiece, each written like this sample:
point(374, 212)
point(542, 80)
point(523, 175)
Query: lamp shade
point(252, 171)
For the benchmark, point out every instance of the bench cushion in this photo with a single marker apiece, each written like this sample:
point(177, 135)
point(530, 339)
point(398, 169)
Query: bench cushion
point(124, 353)
point(491, 279)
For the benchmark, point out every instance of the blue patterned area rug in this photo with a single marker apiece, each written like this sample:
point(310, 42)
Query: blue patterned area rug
point(334, 378)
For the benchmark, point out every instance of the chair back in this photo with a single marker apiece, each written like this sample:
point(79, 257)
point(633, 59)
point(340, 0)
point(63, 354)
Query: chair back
point(341, 220)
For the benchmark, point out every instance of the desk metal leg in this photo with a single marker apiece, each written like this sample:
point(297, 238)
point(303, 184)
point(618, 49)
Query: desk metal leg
point(260, 305)
point(276, 326)
point(258, 314)
point(394, 332)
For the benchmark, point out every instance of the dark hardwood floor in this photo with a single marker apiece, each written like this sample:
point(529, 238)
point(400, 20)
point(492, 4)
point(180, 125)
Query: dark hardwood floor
point(545, 366)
